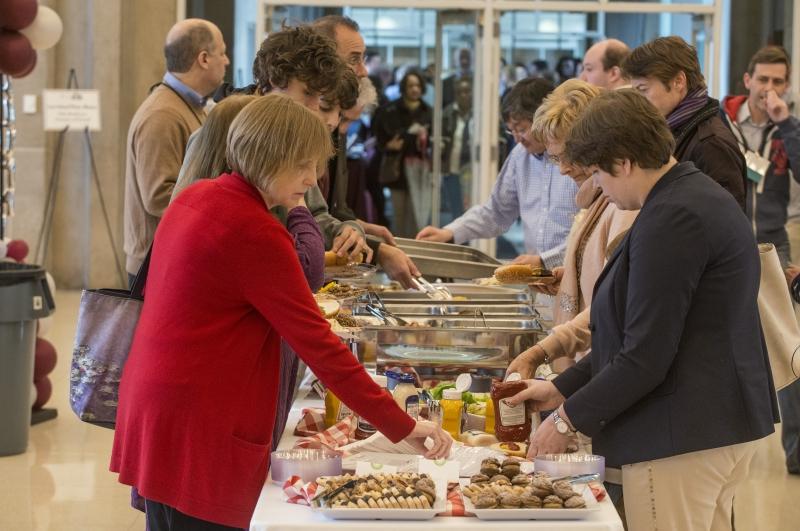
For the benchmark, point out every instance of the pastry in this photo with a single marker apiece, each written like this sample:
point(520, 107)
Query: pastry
point(542, 486)
point(500, 479)
point(490, 470)
point(531, 501)
point(563, 489)
point(515, 449)
point(510, 501)
point(332, 259)
point(510, 471)
point(576, 502)
point(486, 501)
point(552, 502)
point(491, 461)
point(479, 478)
point(521, 479)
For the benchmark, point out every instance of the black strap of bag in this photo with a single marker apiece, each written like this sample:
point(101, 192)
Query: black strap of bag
point(137, 290)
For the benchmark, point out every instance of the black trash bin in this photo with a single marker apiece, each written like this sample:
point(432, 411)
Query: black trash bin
point(24, 298)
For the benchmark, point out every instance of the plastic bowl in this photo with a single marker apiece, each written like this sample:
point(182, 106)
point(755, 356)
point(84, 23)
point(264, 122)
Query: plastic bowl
point(309, 464)
point(560, 465)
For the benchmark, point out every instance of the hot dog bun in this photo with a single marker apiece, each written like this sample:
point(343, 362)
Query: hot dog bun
point(520, 273)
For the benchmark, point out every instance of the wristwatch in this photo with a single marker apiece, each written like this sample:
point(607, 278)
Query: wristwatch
point(561, 425)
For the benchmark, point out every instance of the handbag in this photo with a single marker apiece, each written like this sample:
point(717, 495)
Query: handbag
point(389, 171)
point(107, 321)
point(778, 321)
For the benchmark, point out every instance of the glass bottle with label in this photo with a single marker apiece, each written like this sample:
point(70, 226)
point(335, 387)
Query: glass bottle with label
point(406, 396)
point(365, 429)
point(511, 423)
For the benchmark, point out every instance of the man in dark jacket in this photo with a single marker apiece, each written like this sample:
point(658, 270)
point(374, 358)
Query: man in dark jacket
point(666, 71)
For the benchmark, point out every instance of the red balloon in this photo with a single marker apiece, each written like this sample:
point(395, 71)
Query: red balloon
point(44, 390)
point(17, 14)
point(17, 249)
point(44, 360)
point(16, 52)
point(30, 67)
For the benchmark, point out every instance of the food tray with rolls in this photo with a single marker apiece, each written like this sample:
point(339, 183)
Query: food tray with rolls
point(399, 496)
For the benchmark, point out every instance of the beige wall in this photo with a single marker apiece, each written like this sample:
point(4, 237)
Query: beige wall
point(115, 46)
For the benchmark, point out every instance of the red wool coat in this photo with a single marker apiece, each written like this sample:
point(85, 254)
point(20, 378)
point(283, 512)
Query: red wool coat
point(198, 393)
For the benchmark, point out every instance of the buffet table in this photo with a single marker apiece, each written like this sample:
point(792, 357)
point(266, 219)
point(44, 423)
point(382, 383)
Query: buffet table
point(273, 513)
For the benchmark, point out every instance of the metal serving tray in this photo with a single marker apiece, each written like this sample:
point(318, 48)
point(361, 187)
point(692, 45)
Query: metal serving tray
point(417, 297)
point(464, 348)
point(448, 260)
point(458, 309)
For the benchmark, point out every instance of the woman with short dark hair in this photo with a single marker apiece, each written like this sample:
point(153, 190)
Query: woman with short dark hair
point(677, 389)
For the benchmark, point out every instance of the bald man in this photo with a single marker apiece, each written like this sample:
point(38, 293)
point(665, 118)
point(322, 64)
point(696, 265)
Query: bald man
point(602, 64)
point(196, 61)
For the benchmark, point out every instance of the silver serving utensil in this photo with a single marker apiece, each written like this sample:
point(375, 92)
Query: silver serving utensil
point(324, 497)
point(581, 478)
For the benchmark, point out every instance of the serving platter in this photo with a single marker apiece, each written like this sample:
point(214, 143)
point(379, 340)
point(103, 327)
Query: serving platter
point(537, 514)
point(345, 513)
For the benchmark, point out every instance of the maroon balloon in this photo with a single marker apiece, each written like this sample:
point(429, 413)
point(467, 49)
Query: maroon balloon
point(17, 14)
point(44, 390)
point(16, 52)
point(30, 67)
point(44, 360)
point(17, 249)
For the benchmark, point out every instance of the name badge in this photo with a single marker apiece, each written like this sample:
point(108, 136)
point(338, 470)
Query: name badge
point(757, 166)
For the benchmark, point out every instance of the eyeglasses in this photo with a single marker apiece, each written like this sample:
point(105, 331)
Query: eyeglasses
point(356, 60)
point(556, 159)
point(519, 131)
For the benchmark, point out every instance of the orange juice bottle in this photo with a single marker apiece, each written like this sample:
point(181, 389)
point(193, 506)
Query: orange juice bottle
point(489, 428)
point(452, 407)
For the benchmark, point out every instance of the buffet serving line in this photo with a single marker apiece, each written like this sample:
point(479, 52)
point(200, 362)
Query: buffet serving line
point(274, 513)
point(441, 351)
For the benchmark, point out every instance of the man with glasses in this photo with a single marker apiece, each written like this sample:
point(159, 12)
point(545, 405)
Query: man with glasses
point(529, 186)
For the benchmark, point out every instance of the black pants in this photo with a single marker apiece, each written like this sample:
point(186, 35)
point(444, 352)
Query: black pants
point(162, 517)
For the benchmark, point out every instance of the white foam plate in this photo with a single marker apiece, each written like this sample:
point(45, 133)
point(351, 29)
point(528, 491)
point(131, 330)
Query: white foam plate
point(537, 514)
point(344, 513)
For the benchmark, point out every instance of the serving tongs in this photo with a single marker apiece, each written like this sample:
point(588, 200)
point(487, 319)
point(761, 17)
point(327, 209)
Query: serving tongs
point(437, 293)
point(581, 478)
point(376, 307)
point(325, 497)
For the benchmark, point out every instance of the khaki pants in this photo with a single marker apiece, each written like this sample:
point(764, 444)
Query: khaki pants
point(690, 492)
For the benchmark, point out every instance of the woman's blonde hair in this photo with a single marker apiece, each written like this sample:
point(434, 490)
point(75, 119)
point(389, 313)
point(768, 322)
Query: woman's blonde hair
point(208, 153)
point(561, 109)
point(274, 134)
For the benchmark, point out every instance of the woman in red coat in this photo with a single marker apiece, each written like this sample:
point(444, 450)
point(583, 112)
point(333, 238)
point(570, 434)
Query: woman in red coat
point(198, 394)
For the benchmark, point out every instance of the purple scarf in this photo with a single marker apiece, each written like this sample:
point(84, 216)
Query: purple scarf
point(691, 104)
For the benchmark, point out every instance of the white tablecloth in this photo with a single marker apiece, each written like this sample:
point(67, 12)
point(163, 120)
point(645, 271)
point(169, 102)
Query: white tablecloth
point(273, 513)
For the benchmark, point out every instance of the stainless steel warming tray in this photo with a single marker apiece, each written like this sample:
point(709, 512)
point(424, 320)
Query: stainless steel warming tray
point(448, 260)
point(457, 309)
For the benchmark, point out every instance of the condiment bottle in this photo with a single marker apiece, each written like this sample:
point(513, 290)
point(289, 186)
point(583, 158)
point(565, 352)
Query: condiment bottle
point(511, 423)
point(364, 428)
point(405, 394)
point(489, 427)
point(452, 407)
point(335, 409)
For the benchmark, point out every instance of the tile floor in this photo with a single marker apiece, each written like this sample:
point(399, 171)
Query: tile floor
point(62, 483)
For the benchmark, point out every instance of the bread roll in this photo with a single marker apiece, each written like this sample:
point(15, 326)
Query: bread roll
point(332, 259)
point(519, 273)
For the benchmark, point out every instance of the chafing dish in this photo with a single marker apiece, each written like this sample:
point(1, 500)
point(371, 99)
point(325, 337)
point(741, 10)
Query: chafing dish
point(459, 345)
point(448, 260)
point(466, 310)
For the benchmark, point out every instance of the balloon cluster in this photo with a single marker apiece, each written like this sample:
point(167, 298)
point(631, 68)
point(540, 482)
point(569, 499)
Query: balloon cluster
point(44, 353)
point(25, 27)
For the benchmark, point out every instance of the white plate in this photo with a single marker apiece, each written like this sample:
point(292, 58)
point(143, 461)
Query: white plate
point(537, 514)
point(344, 513)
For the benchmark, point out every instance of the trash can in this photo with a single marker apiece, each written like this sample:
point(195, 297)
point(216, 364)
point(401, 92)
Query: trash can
point(24, 297)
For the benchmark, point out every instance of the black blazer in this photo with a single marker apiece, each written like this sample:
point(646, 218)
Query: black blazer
point(678, 361)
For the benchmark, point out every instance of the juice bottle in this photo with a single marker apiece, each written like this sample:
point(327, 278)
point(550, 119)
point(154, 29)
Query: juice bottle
point(489, 428)
point(335, 409)
point(452, 407)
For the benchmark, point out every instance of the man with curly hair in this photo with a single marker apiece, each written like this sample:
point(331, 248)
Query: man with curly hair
point(303, 64)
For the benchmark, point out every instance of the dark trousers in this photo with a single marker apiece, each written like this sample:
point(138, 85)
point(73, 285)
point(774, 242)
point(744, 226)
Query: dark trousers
point(162, 517)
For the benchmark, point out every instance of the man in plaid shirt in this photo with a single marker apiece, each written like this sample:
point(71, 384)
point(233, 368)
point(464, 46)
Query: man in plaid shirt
point(529, 187)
